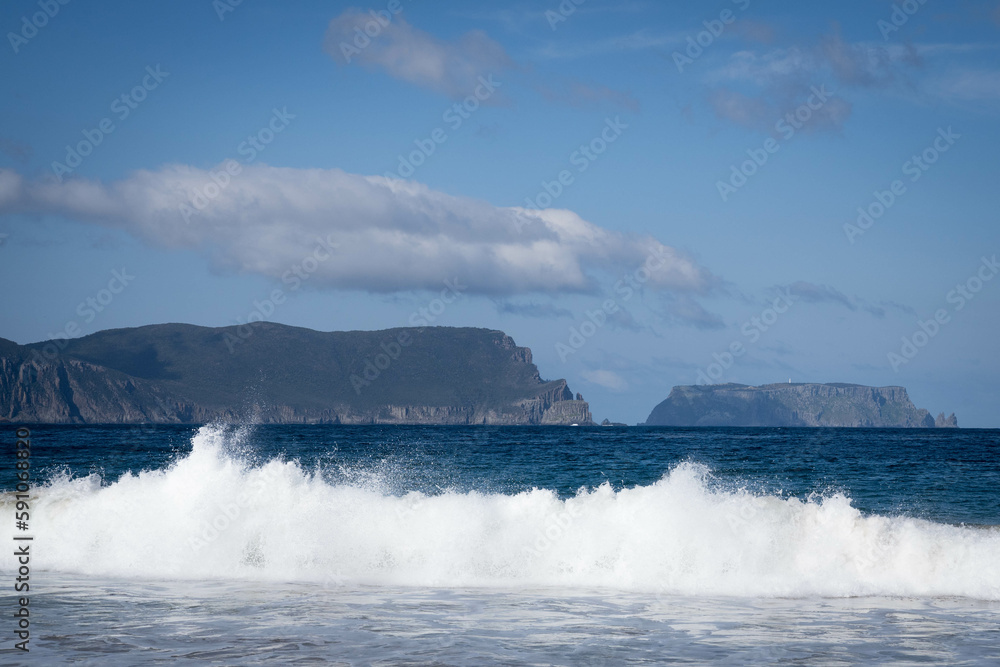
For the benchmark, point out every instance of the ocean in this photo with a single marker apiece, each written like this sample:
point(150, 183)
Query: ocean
point(377, 545)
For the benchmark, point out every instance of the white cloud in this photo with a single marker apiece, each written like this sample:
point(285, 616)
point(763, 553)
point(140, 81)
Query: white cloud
point(967, 85)
point(452, 68)
point(415, 56)
point(607, 379)
point(765, 68)
point(784, 78)
point(391, 235)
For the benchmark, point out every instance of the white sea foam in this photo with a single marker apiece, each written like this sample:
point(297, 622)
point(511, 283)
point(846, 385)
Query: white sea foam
point(212, 515)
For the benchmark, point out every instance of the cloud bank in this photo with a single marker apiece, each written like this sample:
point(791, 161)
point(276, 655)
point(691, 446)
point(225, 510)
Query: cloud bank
point(374, 234)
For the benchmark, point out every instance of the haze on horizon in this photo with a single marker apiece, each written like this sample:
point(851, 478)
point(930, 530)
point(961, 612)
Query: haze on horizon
point(644, 195)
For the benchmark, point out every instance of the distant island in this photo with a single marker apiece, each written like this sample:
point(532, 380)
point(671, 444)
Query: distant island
point(803, 404)
point(272, 373)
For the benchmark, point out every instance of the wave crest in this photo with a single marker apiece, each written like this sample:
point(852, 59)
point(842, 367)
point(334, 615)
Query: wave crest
point(214, 515)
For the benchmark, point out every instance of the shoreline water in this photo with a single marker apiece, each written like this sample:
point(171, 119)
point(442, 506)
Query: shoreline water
point(193, 622)
point(423, 545)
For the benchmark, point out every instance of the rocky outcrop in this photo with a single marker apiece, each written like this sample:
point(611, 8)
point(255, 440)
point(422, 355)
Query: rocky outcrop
point(950, 421)
point(568, 412)
point(848, 405)
point(272, 373)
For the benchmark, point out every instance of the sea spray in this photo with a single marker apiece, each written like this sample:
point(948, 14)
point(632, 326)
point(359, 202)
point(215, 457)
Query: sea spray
point(682, 535)
point(555, 528)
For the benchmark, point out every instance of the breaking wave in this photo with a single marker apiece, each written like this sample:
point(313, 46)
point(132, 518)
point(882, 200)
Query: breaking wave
point(212, 514)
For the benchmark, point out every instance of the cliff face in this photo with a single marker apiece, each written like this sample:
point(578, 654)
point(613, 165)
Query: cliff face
point(790, 405)
point(278, 374)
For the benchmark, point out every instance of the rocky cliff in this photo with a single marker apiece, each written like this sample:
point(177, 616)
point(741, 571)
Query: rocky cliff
point(176, 373)
point(951, 421)
point(792, 405)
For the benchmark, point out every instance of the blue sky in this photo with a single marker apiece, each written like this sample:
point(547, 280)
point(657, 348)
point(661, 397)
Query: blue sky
point(713, 158)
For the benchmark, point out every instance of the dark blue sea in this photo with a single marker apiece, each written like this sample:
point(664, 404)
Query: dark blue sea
point(244, 544)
